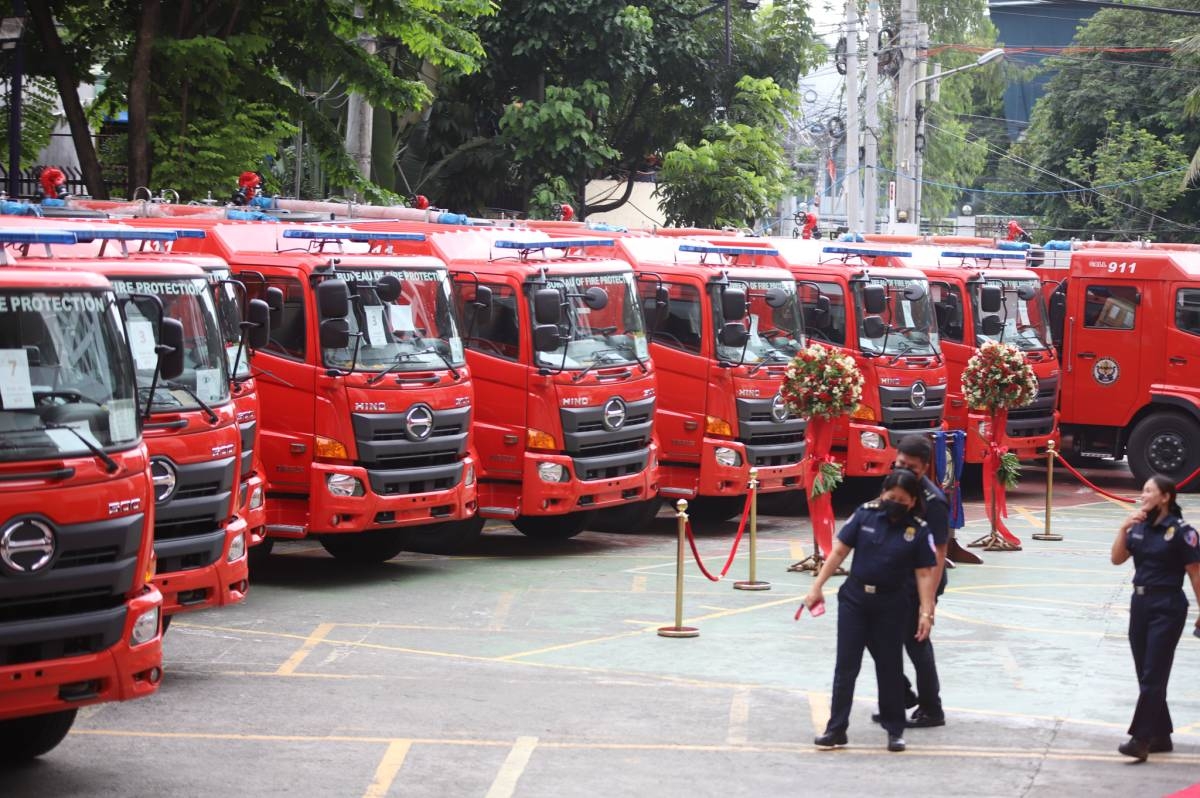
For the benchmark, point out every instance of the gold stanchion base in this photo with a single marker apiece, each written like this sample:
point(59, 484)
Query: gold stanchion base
point(993, 541)
point(1051, 536)
point(678, 631)
point(755, 585)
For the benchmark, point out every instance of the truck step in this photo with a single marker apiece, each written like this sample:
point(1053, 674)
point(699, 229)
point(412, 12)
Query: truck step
point(498, 512)
point(286, 531)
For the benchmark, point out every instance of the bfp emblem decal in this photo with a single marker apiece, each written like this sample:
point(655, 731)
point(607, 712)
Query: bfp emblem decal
point(910, 533)
point(1106, 371)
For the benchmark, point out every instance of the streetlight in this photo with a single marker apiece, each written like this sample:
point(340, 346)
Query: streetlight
point(986, 58)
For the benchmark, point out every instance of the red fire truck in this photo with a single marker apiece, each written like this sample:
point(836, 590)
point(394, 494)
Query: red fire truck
point(882, 316)
point(79, 617)
point(367, 444)
point(985, 294)
point(189, 421)
point(1127, 323)
point(721, 336)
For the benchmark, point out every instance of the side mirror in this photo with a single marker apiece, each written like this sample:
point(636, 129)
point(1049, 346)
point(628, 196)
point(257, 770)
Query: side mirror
point(874, 299)
point(991, 297)
point(483, 297)
point(170, 349)
point(258, 324)
point(275, 299)
point(546, 337)
point(914, 292)
point(1026, 292)
point(333, 299)
point(991, 325)
point(776, 297)
point(547, 308)
point(734, 306)
point(654, 309)
point(873, 327)
point(942, 311)
point(734, 334)
point(335, 333)
point(388, 288)
point(595, 298)
point(817, 314)
point(950, 301)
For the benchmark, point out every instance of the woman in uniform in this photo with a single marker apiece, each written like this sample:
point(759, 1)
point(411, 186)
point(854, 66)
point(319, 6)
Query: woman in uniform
point(1163, 548)
point(890, 543)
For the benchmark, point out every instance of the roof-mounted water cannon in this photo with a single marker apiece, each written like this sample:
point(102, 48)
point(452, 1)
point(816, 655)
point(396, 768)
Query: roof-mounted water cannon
point(526, 248)
point(52, 183)
point(26, 238)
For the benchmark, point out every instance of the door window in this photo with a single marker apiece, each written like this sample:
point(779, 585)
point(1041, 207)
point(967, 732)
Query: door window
point(494, 331)
point(681, 326)
point(289, 334)
point(1110, 307)
point(948, 307)
point(1187, 310)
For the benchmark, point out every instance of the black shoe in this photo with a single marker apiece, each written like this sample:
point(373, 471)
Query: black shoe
point(911, 699)
point(1138, 749)
point(875, 718)
point(923, 720)
point(830, 739)
point(1161, 745)
point(896, 743)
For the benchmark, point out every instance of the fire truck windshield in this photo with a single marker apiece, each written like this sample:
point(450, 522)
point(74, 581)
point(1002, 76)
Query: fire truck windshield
point(613, 335)
point(1020, 322)
point(66, 383)
point(417, 331)
point(204, 381)
point(908, 321)
point(776, 329)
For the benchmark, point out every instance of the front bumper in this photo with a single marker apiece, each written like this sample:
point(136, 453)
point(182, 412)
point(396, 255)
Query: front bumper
point(215, 585)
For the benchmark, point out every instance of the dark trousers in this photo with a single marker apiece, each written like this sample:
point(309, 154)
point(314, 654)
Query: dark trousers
point(876, 623)
point(1156, 623)
point(929, 688)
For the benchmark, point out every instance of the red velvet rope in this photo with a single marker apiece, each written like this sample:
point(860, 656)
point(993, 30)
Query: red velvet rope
point(1099, 490)
point(732, 552)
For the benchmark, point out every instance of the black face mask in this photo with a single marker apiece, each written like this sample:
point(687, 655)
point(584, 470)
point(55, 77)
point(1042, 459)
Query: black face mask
point(895, 510)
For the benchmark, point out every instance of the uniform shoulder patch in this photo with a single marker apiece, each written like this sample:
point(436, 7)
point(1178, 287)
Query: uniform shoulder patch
point(910, 533)
point(1192, 538)
point(1170, 533)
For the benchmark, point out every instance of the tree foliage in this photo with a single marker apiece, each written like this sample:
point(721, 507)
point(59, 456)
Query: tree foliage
point(738, 171)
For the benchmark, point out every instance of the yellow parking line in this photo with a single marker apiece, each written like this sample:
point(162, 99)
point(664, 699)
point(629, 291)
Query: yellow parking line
point(1028, 516)
point(639, 584)
point(505, 785)
point(503, 607)
point(797, 551)
point(1036, 630)
point(389, 766)
point(310, 642)
point(739, 716)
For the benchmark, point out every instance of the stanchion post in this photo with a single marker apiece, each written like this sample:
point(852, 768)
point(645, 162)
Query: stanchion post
point(679, 630)
point(1050, 455)
point(753, 582)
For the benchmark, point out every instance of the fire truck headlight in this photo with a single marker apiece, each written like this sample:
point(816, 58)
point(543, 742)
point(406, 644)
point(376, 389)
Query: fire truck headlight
point(343, 485)
point(469, 476)
point(145, 628)
point(552, 472)
point(237, 549)
point(871, 440)
point(256, 497)
point(727, 457)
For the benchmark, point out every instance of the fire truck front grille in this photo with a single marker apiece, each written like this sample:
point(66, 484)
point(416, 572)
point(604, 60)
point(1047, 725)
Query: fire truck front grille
point(626, 434)
point(1036, 419)
point(769, 441)
point(76, 603)
point(903, 411)
point(393, 442)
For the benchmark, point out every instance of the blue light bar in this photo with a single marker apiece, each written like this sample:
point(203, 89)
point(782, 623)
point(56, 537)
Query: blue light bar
point(985, 254)
point(185, 232)
point(37, 237)
point(864, 252)
point(117, 234)
point(717, 250)
point(561, 243)
point(351, 235)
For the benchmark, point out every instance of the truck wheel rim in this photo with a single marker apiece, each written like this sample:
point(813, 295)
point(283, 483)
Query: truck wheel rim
point(1167, 452)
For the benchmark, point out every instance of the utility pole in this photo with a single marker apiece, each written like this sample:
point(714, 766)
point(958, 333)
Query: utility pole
point(871, 123)
point(852, 181)
point(904, 209)
point(14, 108)
point(360, 114)
point(926, 96)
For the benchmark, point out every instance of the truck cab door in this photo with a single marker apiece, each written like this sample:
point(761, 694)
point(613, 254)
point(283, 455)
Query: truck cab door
point(1108, 328)
point(677, 348)
point(1182, 349)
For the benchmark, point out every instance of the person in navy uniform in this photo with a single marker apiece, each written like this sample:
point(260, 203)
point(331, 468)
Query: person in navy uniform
point(891, 543)
point(1163, 548)
point(916, 454)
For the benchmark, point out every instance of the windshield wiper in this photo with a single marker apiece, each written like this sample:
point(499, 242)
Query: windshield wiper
point(179, 386)
point(110, 465)
point(771, 356)
point(595, 362)
point(442, 355)
point(400, 358)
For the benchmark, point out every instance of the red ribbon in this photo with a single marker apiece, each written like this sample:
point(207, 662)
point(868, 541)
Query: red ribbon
point(818, 440)
point(732, 552)
point(1087, 482)
point(995, 498)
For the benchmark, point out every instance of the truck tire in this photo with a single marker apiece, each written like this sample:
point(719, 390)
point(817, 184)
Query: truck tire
point(448, 538)
point(1164, 443)
point(366, 548)
point(258, 555)
point(22, 739)
point(709, 511)
point(552, 527)
point(632, 517)
point(787, 503)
